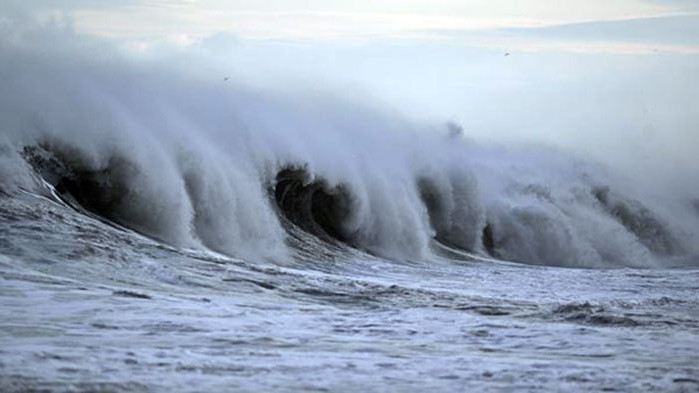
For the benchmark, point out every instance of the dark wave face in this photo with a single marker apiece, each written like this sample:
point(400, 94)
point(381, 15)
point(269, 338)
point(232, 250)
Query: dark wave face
point(455, 212)
point(313, 205)
point(639, 220)
point(102, 190)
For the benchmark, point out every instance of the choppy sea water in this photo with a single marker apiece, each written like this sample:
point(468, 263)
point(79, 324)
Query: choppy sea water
point(89, 306)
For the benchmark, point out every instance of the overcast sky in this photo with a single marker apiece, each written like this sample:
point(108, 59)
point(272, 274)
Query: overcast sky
point(185, 21)
point(618, 79)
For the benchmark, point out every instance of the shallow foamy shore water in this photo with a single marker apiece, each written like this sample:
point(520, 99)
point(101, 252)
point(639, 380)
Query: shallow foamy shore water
point(91, 307)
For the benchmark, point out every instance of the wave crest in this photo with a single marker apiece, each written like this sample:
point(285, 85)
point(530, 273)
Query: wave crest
point(196, 165)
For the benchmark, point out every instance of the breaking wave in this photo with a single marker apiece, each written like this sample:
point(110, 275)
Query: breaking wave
point(241, 172)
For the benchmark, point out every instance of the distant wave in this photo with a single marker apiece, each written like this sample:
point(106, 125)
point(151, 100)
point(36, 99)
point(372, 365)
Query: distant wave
point(241, 172)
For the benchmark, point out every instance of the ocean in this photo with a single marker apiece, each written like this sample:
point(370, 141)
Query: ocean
point(162, 234)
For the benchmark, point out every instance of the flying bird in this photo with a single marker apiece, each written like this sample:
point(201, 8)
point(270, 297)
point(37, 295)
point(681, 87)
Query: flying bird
point(225, 79)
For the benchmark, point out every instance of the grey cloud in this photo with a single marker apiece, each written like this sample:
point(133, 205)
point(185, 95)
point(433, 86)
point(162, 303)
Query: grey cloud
point(682, 4)
point(668, 30)
point(23, 9)
point(678, 30)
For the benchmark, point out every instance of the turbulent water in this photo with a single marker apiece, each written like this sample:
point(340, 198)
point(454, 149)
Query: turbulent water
point(164, 234)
